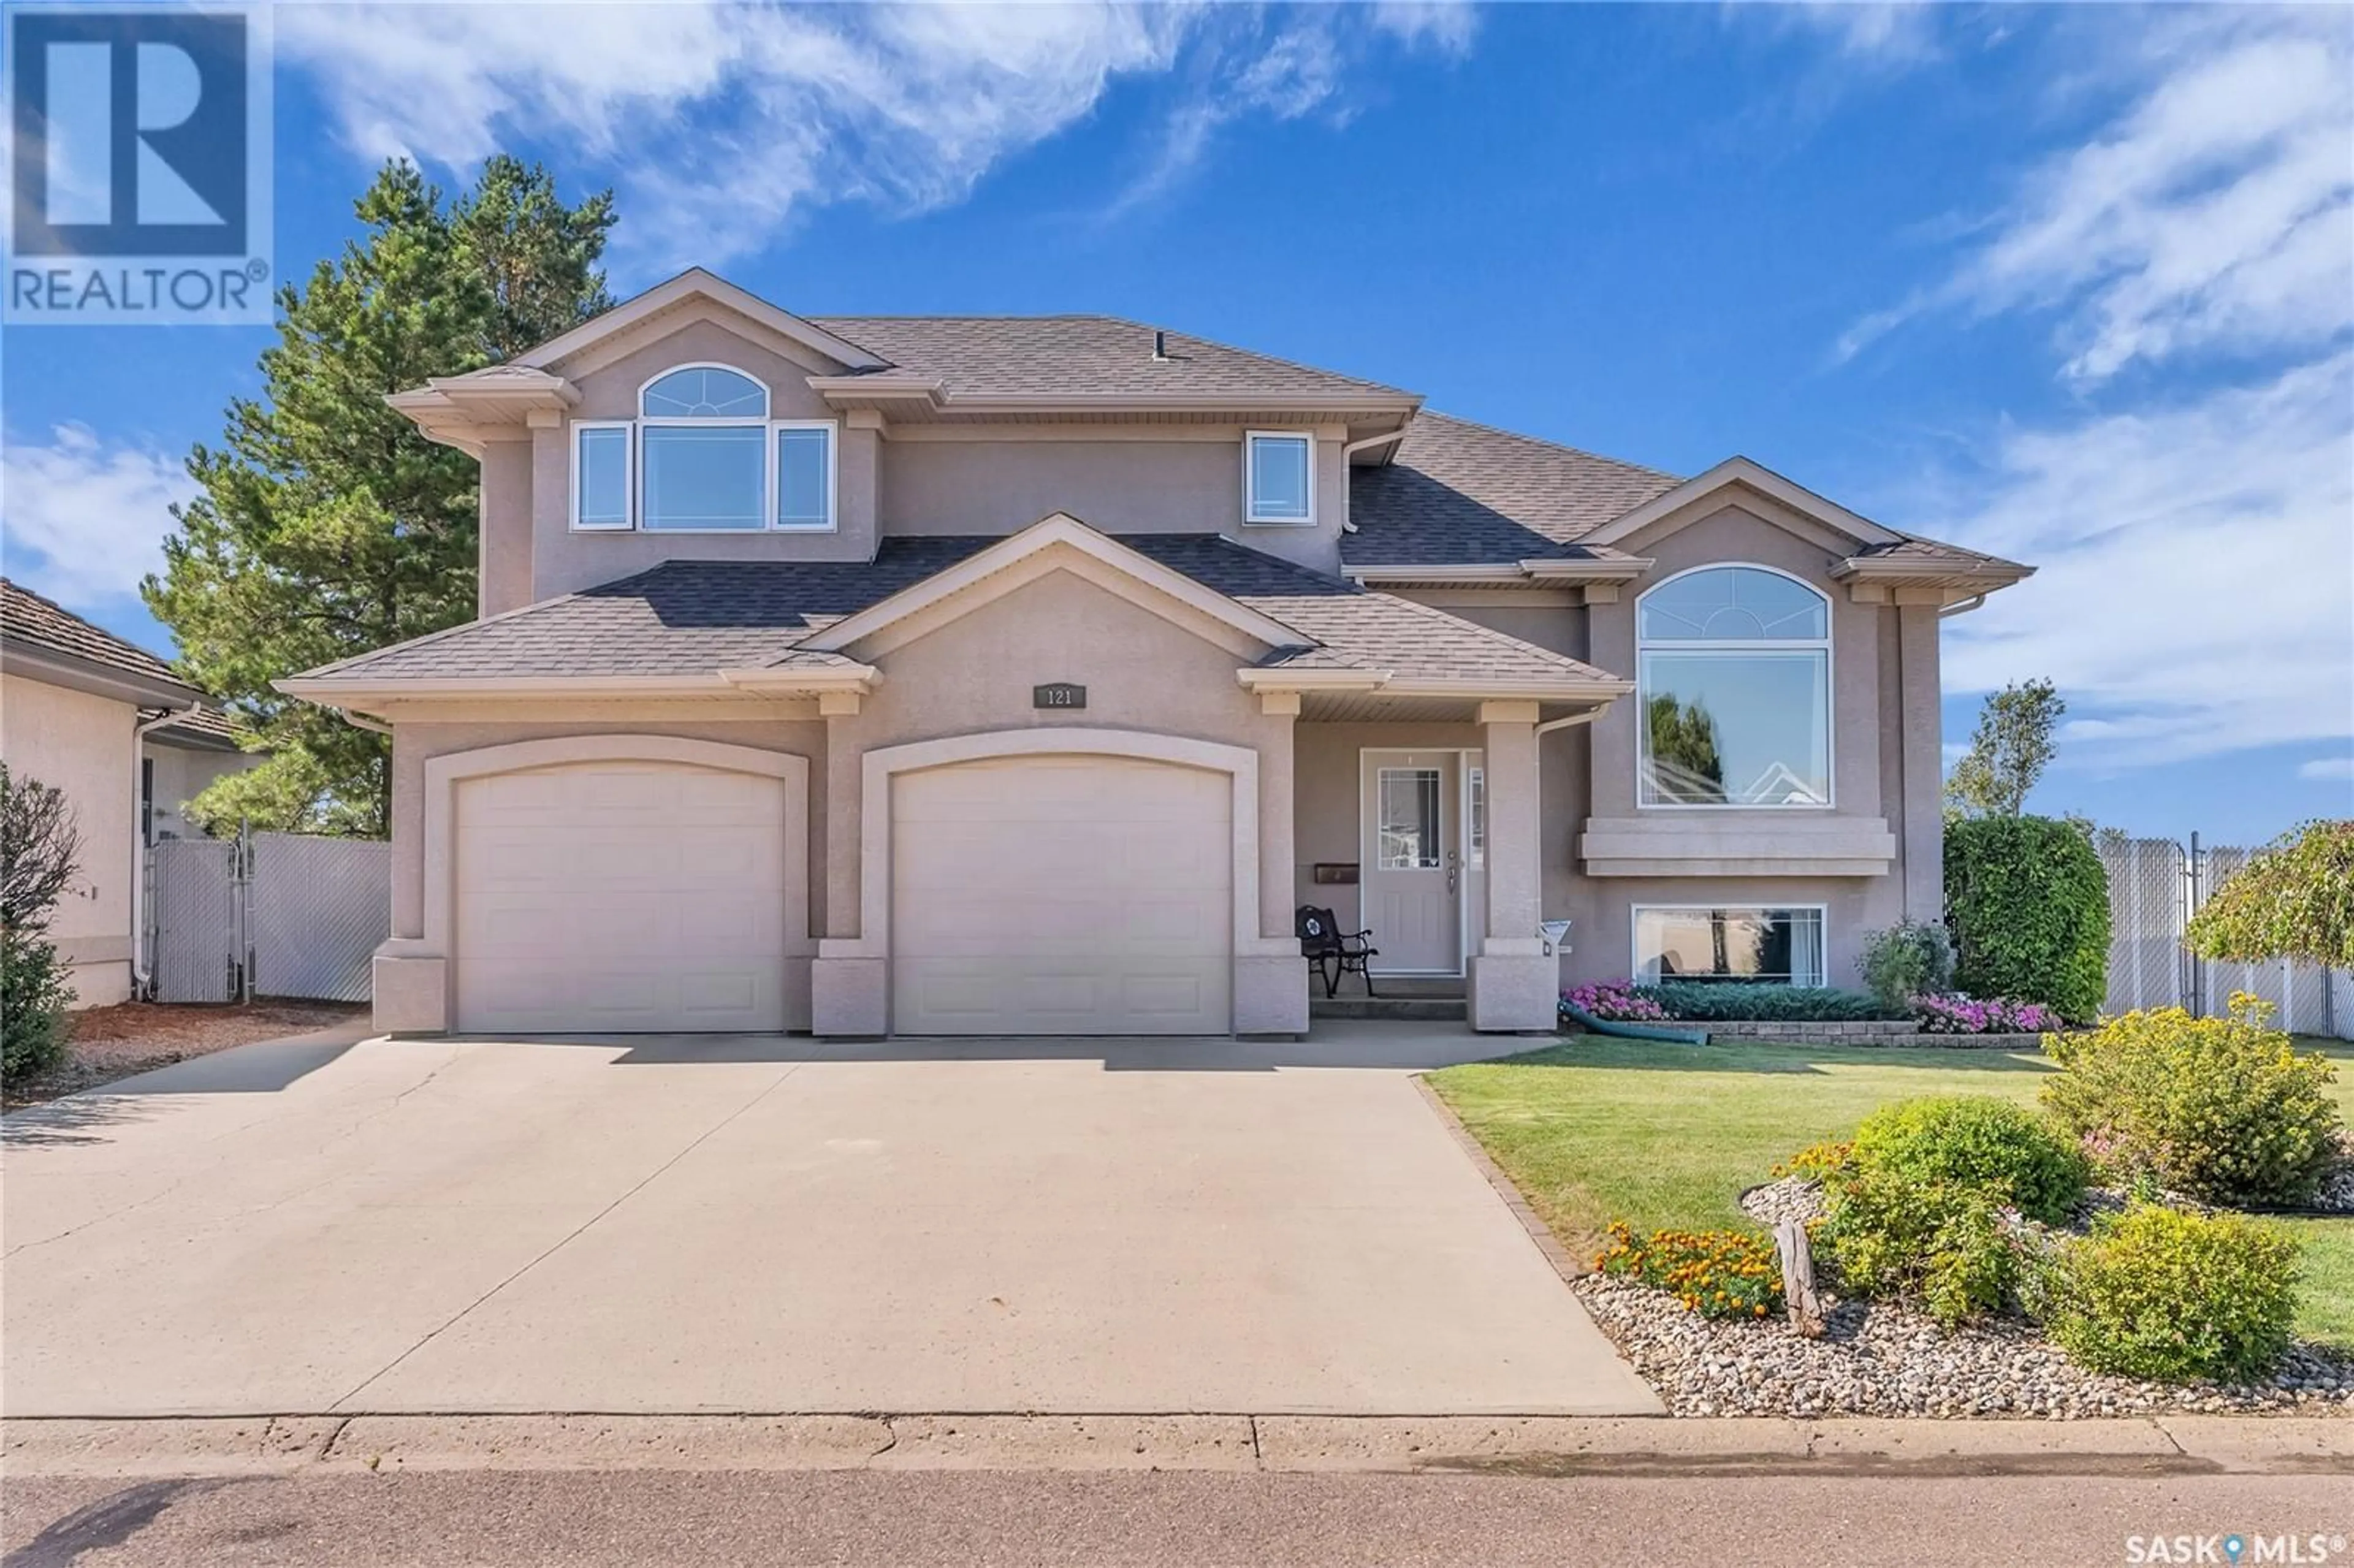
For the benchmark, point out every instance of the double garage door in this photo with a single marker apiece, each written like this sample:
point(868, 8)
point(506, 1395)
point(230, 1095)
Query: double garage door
point(1030, 895)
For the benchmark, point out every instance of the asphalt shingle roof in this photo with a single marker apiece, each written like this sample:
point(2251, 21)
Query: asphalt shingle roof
point(1102, 355)
point(686, 618)
point(1459, 494)
point(27, 617)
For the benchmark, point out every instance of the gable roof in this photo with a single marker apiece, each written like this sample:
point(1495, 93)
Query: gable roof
point(687, 620)
point(1084, 355)
point(697, 283)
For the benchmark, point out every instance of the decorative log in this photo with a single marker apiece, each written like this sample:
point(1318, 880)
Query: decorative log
point(1799, 1279)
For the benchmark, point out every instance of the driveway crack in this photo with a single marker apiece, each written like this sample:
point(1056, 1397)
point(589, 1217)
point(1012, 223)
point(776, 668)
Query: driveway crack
point(570, 1236)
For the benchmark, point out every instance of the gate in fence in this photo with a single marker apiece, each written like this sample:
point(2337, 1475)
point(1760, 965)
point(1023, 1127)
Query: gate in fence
point(2154, 886)
point(266, 914)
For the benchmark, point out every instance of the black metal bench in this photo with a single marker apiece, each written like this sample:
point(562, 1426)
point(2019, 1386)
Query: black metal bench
point(1334, 953)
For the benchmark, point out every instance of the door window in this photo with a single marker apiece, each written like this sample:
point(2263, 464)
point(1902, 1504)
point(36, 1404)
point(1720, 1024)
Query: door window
point(1406, 822)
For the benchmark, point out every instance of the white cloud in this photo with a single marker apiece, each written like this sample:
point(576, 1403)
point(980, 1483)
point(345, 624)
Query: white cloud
point(2214, 213)
point(86, 518)
point(2329, 769)
point(2195, 568)
point(720, 122)
point(1867, 32)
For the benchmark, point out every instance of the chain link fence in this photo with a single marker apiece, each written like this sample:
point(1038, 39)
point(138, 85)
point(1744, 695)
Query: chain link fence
point(2155, 885)
point(285, 915)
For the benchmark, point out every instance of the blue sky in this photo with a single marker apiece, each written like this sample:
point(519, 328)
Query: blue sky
point(2074, 284)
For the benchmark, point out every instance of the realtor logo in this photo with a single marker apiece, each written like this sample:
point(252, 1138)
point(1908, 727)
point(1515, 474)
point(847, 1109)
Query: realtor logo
point(139, 154)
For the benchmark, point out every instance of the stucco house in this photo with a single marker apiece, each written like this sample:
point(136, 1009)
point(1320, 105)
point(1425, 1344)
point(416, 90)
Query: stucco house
point(128, 743)
point(941, 676)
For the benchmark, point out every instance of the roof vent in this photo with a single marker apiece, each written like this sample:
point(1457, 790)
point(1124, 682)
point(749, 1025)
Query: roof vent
point(1160, 344)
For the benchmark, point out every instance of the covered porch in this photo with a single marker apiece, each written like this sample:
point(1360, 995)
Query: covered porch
point(1421, 816)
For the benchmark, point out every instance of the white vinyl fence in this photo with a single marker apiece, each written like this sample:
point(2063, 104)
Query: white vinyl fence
point(2155, 884)
point(266, 914)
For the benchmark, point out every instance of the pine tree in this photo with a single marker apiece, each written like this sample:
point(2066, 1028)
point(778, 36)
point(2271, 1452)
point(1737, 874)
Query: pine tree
point(328, 525)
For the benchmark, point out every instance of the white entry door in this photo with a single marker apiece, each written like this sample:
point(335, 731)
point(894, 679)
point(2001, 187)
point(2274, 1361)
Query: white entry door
point(620, 897)
point(1410, 873)
point(1062, 895)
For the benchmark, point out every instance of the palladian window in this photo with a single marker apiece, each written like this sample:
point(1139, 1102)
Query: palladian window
point(702, 456)
point(1733, 668)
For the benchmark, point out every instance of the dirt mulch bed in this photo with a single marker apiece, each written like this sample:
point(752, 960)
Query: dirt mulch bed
point(110, 1042)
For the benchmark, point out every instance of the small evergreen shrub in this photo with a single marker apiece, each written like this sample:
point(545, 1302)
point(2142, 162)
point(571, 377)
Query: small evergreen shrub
point(1717, 1273)
point(1910, 958)
point(34, 996)
point(2156, 1293)
point(1942, 1245)
point(2027, 903)
point(2222, 1109)
point(1989, 1145)
point(1720, 1002)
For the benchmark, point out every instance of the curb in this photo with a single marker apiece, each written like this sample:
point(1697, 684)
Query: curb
point(1536, 1446)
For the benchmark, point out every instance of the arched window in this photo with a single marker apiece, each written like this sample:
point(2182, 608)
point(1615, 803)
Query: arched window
point(1733, 672)
point(703, 441)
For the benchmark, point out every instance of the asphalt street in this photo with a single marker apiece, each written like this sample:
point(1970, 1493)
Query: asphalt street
point(683, 1519)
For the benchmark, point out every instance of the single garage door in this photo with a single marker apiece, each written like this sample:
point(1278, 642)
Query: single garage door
point(1062, 895)
point(621, 897)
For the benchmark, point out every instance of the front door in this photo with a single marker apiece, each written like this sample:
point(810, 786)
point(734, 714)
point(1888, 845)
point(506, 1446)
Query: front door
point(1410, 877)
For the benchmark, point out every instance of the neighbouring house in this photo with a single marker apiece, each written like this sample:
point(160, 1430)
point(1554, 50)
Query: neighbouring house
point(985, 676)
point(128, 743)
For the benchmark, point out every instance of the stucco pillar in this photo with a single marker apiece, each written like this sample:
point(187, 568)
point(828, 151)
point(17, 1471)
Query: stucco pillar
point(849, 990)
point(1922, 832)
point(1514, 984)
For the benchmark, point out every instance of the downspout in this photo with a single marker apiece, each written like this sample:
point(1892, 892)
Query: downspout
point(139, 980)
point(358, 721)
point(1588, 716)
point(1963, 607)
point(1351, 449)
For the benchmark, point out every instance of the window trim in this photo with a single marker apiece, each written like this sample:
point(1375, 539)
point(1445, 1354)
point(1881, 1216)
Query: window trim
point(1418, 771)
point(645, 421)
point(1250, 497)
point(628, 522)
point(1737, 646)
point(1635, 913)
point(776, 523)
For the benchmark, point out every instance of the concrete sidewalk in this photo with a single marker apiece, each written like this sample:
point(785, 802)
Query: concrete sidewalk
point(1528, 1447)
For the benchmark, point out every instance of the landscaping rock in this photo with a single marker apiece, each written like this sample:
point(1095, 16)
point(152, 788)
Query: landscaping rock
point(1799, 1198)
point(1875, 1359)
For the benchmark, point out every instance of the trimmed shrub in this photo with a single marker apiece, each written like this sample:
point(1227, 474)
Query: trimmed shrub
point(1616, 1000)
point(1717, 1273)
point(1719, 1001)
point(2222, 1109)
point(2003, 1016)
point(2003, 1152)
point(1908, 960)
point(2156, 1293)
point(2027, 906)
point(1944, 1245)
point(34, 996)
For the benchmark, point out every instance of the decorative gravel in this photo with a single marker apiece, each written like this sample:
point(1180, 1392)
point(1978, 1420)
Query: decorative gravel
point(1799, 1198)
point(1878, 1360)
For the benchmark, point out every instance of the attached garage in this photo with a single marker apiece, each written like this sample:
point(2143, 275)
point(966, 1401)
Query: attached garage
point(620, 896)
point(1062, 895)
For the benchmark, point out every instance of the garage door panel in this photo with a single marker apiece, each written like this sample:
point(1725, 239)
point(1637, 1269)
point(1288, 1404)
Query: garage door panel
point(620, 896)
point(1062, 895)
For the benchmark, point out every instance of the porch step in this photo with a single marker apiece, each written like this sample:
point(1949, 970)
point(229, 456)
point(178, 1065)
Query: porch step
point(1418, 1008)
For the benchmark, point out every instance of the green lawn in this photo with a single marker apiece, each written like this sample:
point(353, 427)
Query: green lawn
point(1596, 1129)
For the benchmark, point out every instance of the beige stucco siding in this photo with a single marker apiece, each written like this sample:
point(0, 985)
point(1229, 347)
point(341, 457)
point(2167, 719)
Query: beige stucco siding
point(82, 745)
point(1186, 480)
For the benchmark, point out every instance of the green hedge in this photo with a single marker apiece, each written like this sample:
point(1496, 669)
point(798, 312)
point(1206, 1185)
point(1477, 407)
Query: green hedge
point(1705, 1002)
point(34, 996)
point(2028, 905)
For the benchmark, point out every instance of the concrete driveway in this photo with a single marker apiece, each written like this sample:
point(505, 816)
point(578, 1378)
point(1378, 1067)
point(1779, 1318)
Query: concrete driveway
point(762, 1224)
